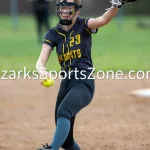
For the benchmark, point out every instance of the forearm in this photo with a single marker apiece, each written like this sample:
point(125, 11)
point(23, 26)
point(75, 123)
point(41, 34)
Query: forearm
point(40, 67)
point(43, 58)
point(102, 20)
point(109, 15)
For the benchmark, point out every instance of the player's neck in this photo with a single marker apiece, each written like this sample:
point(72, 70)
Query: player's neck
point(66, 28)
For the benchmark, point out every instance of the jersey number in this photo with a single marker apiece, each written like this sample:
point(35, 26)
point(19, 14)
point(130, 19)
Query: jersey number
point(75, 40)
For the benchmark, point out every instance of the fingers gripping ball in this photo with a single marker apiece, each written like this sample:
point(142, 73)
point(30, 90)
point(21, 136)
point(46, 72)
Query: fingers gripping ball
point(48, 82)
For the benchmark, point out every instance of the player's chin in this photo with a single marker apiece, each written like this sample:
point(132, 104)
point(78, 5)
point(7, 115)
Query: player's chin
point(66, 17)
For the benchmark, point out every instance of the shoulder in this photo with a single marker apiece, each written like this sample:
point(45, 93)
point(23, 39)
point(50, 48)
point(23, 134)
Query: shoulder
point(84, 22)
point(51, 32)
point(50, 37)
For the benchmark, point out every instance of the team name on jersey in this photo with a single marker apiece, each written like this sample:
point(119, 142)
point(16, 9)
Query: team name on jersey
point(72, 54)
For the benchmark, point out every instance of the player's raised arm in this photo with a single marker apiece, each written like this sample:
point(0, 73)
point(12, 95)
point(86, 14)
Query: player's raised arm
point(102, 20)
point(95, 23)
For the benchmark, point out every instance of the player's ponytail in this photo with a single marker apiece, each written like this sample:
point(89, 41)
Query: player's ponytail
point(78, 2)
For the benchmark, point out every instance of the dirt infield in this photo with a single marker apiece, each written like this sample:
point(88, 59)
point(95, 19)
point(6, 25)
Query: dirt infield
point(113, 121)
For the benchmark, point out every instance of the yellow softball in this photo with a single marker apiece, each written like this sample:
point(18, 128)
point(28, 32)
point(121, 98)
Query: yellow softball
point(47, 82)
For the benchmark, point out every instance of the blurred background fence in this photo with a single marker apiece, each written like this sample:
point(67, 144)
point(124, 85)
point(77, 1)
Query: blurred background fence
point(96, 7)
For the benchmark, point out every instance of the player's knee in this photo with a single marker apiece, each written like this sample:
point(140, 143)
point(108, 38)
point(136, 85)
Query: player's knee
point(63, 112)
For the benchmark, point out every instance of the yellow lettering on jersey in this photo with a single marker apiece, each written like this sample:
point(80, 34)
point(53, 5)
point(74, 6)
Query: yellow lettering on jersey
point(64, 56)
point(60, 58)
point(78, 53)
point(71, 55)
point(72, 41)
point(67, 56)
point(74, 52)
point(78, 39)
point(75, 40)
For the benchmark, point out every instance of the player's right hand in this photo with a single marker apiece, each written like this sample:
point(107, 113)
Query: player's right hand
point(44, 76)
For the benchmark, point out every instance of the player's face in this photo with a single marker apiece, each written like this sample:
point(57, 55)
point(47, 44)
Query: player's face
point(66, 11)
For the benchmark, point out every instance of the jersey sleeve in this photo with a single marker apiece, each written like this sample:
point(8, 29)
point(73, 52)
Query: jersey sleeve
point(50, 38)
point(88, 29)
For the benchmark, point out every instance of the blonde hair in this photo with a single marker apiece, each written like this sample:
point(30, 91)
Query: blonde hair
point(78, 1)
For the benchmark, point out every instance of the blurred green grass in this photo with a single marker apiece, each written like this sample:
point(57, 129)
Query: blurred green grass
point(124, 48)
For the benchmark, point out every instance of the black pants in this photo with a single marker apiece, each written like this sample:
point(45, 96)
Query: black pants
point(74, 95)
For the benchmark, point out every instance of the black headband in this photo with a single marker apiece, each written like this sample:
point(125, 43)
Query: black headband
point(65, 3)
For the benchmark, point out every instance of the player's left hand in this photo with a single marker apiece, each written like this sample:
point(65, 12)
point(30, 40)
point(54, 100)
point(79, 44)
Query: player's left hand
point(120, 3)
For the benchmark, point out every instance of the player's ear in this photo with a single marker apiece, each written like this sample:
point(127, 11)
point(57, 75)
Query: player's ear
point(78, 13)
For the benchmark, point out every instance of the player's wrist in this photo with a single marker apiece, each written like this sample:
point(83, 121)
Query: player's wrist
point(117, 3)
point(43, 73)
point(112, 8)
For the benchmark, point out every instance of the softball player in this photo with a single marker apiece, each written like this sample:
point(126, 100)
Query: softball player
point(72, 37)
